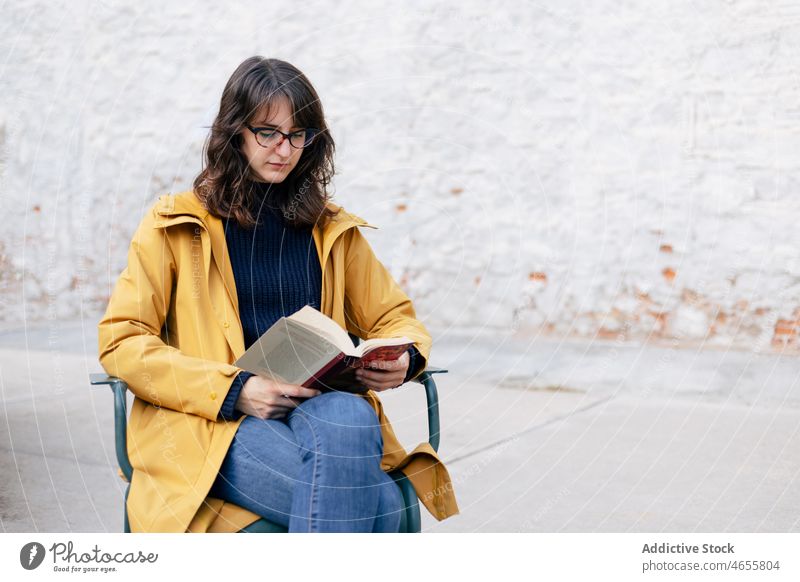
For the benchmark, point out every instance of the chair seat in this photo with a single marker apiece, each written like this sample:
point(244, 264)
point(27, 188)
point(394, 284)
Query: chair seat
point(263, 526)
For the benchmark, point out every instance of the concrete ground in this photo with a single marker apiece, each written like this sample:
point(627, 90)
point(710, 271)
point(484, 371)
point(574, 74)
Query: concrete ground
point(538, 435)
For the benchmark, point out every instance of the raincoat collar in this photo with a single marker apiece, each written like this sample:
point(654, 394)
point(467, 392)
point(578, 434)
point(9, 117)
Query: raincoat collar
point(186, 207)
point(172, 207)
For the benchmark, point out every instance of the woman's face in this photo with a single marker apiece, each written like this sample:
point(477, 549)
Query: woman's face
point(272, 164)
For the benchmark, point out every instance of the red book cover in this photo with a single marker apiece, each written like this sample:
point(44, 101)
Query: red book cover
point(339, 373)
point(329, 370)
point(381, 353)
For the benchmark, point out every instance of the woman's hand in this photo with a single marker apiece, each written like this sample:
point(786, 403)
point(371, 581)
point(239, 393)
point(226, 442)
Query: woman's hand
point(265, 398)
point(384, 374)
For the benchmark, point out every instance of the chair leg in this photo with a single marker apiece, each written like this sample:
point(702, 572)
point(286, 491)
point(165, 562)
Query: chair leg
point(403, 518)
point(264, 525)
point(126, 526)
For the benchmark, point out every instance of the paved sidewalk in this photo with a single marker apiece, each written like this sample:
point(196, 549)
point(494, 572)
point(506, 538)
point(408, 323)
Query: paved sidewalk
point(545, 436)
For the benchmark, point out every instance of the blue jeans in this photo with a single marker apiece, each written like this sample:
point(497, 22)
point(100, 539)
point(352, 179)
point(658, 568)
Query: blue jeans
point(316, 470)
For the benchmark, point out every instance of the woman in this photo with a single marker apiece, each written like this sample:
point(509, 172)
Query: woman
point(209, 270)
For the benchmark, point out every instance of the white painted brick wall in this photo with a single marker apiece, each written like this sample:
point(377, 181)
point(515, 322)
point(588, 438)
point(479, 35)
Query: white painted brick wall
point(612, 168)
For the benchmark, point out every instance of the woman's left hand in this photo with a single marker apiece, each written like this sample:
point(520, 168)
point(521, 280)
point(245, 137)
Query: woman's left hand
point(384, 374)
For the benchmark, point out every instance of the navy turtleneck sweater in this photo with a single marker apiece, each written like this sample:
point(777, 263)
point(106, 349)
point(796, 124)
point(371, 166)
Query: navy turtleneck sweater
point(277, 272)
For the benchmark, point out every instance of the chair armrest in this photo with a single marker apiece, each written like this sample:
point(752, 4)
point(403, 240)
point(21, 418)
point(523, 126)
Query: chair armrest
point(102, 378)
point(119, 388)
point(432, 396)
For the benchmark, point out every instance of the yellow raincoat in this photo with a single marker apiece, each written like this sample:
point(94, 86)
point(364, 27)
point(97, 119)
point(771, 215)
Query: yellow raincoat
point(172, 332)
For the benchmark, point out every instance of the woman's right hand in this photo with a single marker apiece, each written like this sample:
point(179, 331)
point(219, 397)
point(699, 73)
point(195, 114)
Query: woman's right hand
point(265, 398)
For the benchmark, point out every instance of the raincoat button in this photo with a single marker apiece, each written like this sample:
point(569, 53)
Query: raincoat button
point(213, 396)
point(226, 324)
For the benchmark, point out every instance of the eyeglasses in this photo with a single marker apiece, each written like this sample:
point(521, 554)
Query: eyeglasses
point(270, 136)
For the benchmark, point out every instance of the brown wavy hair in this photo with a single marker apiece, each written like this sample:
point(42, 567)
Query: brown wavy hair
point(226, 186)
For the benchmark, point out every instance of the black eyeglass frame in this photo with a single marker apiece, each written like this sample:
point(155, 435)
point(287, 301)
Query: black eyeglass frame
point(310, 132)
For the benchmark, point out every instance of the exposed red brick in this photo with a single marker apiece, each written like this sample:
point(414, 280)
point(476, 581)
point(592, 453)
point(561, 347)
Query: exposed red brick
point(669, 274)
point(537, 276)
point(785, 327)
point(401, 207)
point(786, 333)
point(665, 248)
point(606, 333)
point(456, 191)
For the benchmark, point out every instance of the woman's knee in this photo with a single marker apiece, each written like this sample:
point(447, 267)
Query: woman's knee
point(341, 408)
point(337, 421)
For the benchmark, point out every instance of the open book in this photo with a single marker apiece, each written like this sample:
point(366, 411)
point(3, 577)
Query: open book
point(308, 348)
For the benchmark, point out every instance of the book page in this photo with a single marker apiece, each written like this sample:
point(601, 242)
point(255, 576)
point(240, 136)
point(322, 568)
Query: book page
point(370, 344)
point(288, 352)
point(324, 326)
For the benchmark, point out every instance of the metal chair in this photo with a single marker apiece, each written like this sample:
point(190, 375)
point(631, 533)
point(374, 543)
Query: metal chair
point(409, 520)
